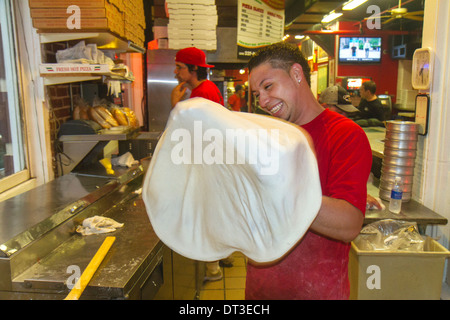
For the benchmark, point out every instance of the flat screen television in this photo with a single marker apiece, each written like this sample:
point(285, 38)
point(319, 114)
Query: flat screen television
point(354, 50)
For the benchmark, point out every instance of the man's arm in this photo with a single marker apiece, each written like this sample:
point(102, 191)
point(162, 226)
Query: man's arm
point(338, 219)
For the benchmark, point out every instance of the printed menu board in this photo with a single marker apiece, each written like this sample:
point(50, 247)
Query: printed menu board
point(260, 23)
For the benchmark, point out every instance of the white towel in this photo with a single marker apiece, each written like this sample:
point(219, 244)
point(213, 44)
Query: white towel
point(98, 224)
point(222, 181)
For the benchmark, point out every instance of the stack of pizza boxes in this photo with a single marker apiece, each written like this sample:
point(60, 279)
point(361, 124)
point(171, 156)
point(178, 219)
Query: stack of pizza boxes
point(115, 16)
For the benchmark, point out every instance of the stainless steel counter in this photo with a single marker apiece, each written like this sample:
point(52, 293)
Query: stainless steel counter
point(23, 212)
point(134, 256)
point(411, 210)
point(39, 248)
point(376, 137)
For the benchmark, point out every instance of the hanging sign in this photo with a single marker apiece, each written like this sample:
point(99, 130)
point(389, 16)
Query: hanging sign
point(260, 23)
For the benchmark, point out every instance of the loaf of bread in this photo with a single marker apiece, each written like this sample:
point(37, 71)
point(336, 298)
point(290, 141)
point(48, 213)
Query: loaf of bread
point(76, 113)
point(106, 115)
point(80, 112)
point(120, 116)
point(84, 113)
point(95, 116)
point(133, 121)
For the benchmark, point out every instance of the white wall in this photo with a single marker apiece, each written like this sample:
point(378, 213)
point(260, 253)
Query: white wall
point(435, 147)
point(406, 95)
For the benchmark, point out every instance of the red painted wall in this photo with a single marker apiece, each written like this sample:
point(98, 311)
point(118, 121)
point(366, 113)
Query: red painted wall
point(384, 74)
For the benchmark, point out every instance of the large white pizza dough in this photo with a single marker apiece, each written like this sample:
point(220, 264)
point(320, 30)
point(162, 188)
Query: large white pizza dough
point(222, 181)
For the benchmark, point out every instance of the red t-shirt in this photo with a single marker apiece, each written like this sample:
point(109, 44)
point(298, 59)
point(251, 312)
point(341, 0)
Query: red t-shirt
point(317, 267)
point(208, 90)
point(235, 102)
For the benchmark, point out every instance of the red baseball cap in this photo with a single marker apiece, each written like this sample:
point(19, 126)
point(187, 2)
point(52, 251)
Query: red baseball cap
point(192, 56)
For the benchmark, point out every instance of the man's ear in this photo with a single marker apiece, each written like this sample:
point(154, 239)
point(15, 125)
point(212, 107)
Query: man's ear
point(297, 72)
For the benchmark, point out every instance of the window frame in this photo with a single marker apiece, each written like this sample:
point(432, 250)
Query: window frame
point(32, 100)
point(13, 88)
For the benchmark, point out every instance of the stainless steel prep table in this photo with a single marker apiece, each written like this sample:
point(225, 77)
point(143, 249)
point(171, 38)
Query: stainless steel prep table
point(128, 266)
point(39, 243)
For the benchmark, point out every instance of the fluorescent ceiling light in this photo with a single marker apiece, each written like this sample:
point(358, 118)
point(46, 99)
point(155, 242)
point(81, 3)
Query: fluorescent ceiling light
point(352, 4)
point(333, 15)
point(299, 37)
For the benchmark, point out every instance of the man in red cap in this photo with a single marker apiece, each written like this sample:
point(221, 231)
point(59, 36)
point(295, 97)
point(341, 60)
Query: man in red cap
point(191, 71)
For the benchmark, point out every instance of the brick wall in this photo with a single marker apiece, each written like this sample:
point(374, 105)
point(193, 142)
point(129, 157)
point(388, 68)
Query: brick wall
point(59, 100)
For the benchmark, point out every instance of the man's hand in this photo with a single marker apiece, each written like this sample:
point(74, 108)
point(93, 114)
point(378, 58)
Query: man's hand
point(371, 201)
point(178, 93)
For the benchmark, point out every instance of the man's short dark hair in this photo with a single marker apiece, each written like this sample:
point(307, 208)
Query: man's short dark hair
point(202, 72)
point(370, 85)
point(281, 55)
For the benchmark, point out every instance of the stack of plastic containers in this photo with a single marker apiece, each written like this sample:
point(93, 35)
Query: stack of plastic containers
point(399, 157)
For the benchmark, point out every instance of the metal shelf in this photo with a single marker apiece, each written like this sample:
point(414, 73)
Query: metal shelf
point(48, 81)
point(105, 135)
point(82, 148)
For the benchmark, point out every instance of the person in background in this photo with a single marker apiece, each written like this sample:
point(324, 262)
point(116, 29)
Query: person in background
point(338, 100)
point(191, 70)
point(367, 48)
point(354, 46)
point(316, 267)
point(370, 106)
point(235, 100)
point(244, 100)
